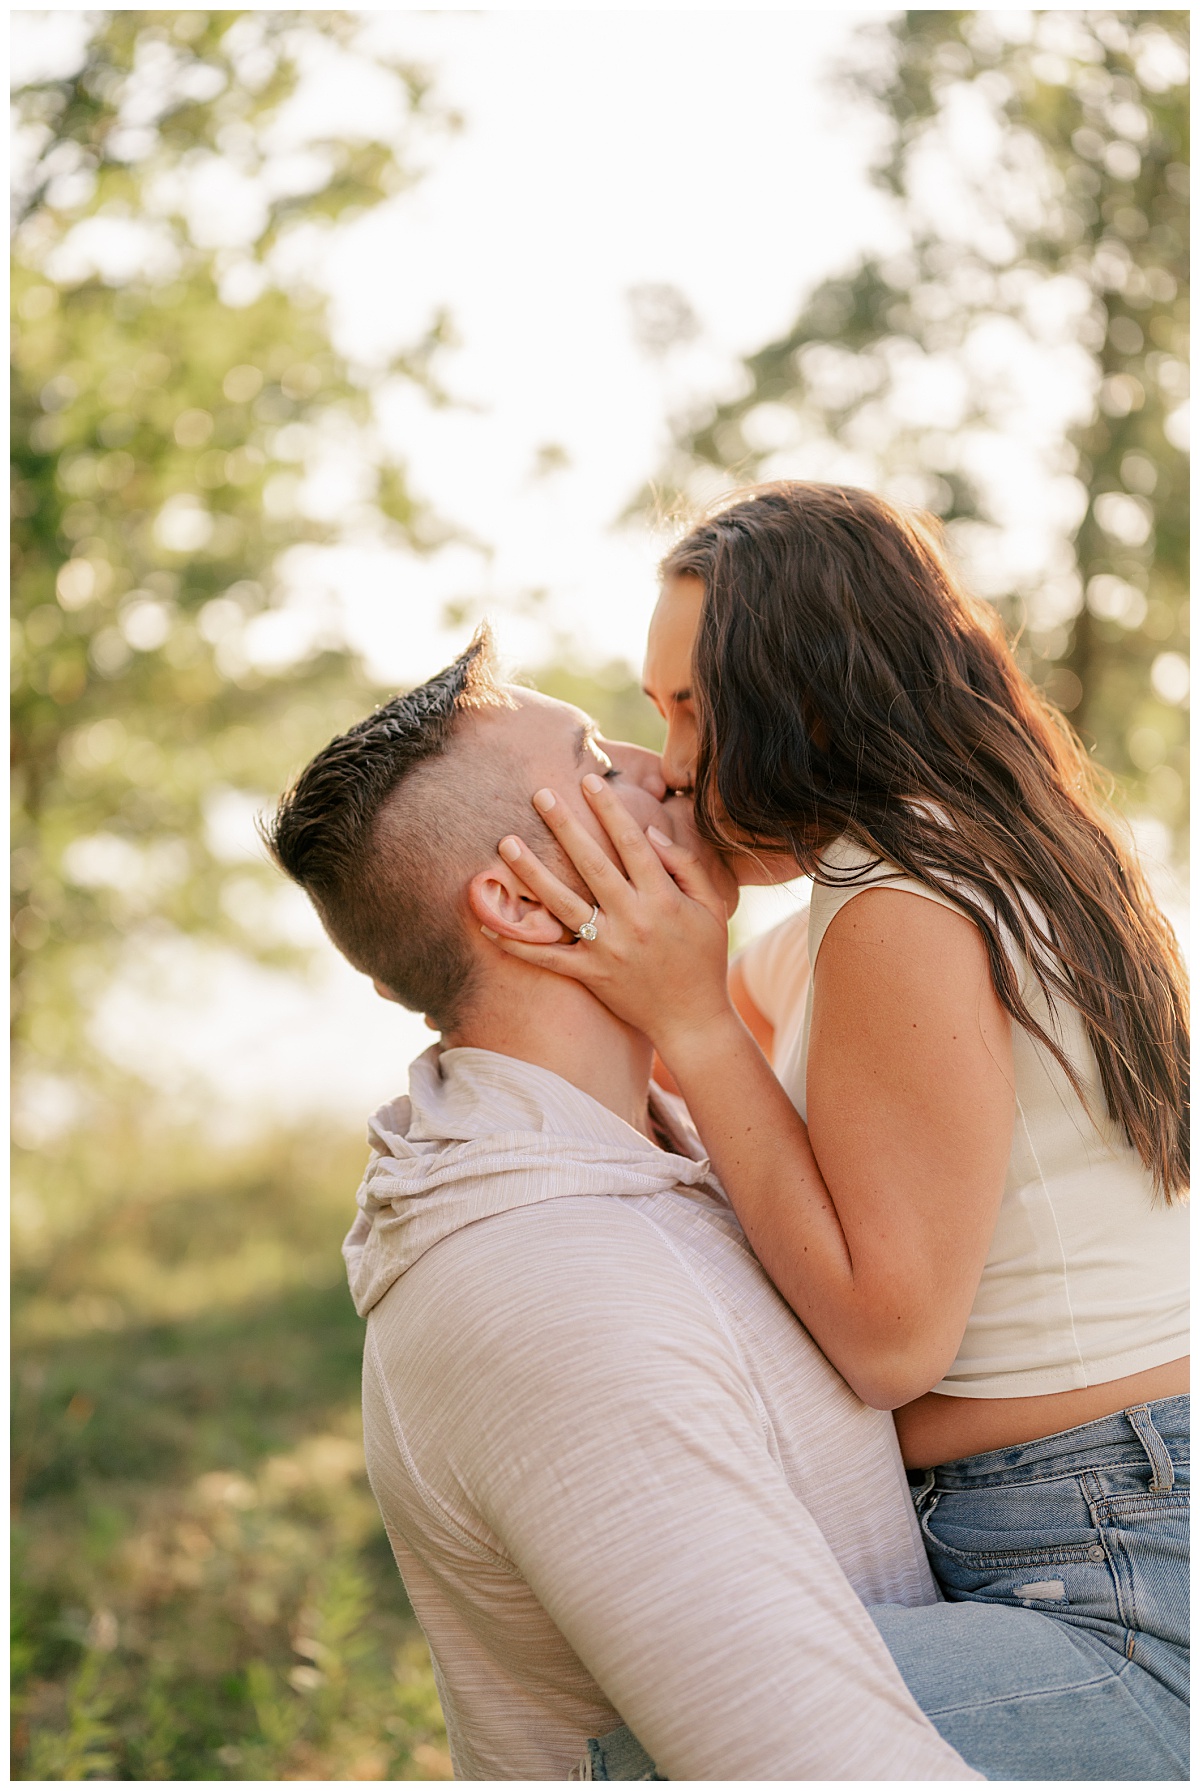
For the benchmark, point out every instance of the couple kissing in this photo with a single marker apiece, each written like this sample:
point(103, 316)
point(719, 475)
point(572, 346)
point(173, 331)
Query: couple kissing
point(774, 1370)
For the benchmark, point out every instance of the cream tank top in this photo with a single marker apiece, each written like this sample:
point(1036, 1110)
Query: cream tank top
point(1087, 1276)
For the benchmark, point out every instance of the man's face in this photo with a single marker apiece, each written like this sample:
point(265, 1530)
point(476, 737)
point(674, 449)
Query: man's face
point(556, 745)
point(667, 681)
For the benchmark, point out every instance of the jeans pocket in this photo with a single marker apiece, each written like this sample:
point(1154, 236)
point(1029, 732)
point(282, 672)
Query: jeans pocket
point(1073, 1576)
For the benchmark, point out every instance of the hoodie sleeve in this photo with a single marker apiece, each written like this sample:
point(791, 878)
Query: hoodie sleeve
point(595, 1414)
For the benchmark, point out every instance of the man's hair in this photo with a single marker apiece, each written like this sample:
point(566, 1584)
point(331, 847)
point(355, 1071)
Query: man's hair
point(381, 834)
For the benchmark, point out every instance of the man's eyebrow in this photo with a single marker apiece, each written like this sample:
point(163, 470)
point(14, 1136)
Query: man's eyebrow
point(584, 737)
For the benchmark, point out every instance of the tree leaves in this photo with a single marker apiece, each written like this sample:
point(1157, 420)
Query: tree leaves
point(1039, 167)
point(173, 388)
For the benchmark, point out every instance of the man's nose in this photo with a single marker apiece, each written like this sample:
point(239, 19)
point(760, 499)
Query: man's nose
point(640, 765)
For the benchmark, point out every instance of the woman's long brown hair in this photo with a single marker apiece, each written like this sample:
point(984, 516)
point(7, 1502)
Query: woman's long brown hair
point(844, 683)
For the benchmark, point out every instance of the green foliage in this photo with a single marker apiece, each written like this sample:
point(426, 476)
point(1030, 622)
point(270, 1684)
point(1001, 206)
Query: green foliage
point(173, 385)
point(201, 1584)
point(86, 1750)
point(201, 1587)
point(1071, 240)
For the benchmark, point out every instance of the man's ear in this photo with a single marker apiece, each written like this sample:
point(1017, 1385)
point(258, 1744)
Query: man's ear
point(498, 899)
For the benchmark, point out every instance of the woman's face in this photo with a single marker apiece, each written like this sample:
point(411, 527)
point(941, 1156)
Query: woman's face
point(667, 678)
point(667, 681)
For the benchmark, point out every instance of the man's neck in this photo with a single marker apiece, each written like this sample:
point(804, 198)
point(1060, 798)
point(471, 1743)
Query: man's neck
point(557, 1025)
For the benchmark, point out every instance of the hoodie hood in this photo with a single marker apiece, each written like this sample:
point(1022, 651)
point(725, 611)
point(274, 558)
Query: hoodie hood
point(479, 1134)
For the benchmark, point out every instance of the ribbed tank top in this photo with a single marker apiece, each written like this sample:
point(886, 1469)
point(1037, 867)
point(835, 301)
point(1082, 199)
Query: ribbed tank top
point(1086, 1279)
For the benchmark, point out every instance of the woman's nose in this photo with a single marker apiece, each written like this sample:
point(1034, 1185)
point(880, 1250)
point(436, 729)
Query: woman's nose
point(679, 756)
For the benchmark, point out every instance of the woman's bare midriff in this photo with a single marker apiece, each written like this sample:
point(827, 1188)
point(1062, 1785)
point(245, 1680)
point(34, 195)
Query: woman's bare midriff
point(938, 1427)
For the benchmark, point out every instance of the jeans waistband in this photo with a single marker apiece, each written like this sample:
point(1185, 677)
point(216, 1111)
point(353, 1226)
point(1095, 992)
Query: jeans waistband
point(1157, 1431)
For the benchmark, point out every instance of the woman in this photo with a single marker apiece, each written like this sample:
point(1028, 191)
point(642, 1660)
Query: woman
point(973, 1197)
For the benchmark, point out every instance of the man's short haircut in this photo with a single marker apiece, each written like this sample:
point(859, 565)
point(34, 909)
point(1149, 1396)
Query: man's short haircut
point(382, 835)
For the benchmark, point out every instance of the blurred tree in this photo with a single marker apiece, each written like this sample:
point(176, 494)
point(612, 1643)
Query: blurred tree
point(611, 694)
point(175, 395)
point(661, 318)
point(1038, 165)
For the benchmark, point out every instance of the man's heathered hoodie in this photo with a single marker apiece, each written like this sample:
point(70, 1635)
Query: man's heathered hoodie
point(620, 1481)
point(463, 1146)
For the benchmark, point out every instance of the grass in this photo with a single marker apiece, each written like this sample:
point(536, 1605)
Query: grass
point(202, 1588)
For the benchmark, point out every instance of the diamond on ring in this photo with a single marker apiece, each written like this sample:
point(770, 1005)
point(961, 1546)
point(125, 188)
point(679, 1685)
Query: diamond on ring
point(588, 929)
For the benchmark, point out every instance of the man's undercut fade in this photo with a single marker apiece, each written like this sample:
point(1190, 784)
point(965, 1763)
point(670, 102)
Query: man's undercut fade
point(375, 831)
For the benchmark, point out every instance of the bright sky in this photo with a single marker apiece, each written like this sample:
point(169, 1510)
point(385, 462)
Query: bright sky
point(601, 151)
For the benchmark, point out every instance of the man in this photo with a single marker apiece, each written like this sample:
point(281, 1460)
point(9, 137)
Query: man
point(621, 1483)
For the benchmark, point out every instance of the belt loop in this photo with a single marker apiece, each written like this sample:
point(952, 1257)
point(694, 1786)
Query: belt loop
point(921, 1493)
point(1156, 1450)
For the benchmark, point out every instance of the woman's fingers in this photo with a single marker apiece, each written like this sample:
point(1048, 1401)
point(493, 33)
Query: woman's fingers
point(655, 956)
point(605, 879)
point(689, 874)
point(553, 894)
point(640, 861)
point(567, 960)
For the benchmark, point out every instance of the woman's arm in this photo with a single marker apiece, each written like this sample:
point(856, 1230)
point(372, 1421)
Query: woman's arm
point(759, 1027)
point(875, 1219)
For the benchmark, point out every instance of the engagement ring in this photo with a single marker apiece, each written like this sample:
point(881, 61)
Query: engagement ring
point(588, 929)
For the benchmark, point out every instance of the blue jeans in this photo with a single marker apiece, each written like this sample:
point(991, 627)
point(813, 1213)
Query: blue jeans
point(1061, 1651)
